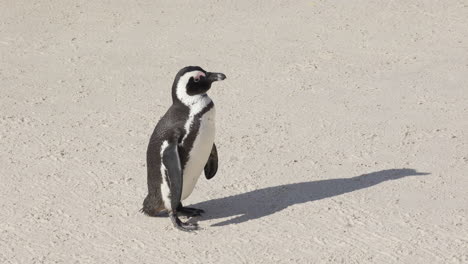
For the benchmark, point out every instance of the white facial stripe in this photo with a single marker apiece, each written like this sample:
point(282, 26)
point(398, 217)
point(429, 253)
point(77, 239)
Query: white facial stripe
point(182, 90)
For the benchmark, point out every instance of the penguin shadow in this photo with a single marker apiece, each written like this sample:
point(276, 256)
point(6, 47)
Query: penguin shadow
point(263, 202)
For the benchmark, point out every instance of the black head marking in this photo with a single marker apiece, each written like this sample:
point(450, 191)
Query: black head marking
point(193, 80)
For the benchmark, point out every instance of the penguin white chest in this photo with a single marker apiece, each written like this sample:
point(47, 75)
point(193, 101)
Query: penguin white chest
point(200, 151)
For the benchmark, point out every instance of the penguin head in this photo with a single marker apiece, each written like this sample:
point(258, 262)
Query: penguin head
point(192, 82)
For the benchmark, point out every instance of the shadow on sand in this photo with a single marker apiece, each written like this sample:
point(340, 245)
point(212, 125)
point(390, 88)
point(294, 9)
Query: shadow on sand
point(263, 202)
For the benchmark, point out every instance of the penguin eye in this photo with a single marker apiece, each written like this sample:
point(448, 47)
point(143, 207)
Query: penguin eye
point(197, 79)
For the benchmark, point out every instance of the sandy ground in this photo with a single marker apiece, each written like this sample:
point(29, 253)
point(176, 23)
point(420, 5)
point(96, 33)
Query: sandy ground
point(341, 130)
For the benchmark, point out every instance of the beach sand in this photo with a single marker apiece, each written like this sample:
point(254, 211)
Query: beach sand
point(341, 130)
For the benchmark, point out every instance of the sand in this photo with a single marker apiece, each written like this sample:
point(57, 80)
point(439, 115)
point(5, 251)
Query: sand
point(341, 130)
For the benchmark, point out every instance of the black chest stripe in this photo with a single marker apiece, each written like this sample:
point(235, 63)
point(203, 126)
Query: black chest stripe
point(185, 149)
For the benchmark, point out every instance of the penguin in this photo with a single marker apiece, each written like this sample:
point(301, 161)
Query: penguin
point(182, 146)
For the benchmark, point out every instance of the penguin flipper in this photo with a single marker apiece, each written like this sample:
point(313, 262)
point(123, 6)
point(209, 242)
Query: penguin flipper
point(211, 166)
point(171, 161)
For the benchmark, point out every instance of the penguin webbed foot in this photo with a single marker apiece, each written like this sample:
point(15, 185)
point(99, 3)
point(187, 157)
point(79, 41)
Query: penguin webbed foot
point(201, 211)
point(183, 226)
point(189, 211)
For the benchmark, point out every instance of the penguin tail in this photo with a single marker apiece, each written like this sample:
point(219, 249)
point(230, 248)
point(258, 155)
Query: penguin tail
point(148, 212)
point(151, 206)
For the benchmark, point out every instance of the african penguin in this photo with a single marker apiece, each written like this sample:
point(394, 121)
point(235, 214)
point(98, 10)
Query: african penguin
point(182, 146)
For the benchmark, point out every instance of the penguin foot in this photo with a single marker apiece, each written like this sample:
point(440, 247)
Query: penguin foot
point(200, 211)
point(183, 226)
point(190, 212)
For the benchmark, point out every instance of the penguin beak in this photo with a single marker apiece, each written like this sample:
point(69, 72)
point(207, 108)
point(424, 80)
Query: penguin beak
point(215, 76)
